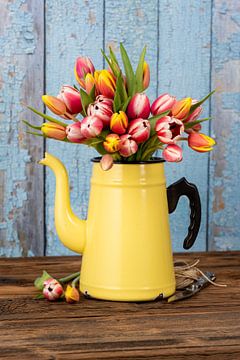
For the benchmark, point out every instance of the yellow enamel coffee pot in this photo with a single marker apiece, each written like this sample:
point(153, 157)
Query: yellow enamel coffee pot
point(125, 241)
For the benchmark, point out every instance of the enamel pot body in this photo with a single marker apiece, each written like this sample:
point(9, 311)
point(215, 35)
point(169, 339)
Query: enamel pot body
point(127, 254)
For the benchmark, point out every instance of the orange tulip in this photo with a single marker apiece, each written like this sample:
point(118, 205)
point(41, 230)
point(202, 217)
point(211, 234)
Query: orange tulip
point(146, 75)
point(106, 84)
point(54, 131)
point(181, 108)
point(200, 142)
point(71, 294)
point(54, 104)
point(89, 82)
point(119, 122)
point(112, 143)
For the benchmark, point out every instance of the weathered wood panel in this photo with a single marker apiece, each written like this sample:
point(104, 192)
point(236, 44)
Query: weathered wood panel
point(225, 108)
point(21, 80)
point(184, 70)
point(206, 326)
point(73, 28)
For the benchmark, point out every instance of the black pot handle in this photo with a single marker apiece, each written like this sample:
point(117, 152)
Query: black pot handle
point(174, 192)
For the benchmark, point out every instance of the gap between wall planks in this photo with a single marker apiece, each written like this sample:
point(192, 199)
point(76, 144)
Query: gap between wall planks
point(179, 36)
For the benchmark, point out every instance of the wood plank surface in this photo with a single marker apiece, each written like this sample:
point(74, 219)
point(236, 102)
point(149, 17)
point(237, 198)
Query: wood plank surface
point(205, 326)
point(21, 81)
point(224, 204)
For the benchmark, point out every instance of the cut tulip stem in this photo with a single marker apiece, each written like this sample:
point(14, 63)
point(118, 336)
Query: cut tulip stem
point(75, 281)
point(69, 277)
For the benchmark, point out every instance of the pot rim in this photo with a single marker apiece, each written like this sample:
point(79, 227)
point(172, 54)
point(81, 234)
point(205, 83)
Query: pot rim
point(154, 160)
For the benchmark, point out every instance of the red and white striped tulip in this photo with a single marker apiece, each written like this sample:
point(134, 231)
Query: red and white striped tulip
point(169, 129)
point(74, 133)
point(181, 108)
point(54, 131)
point(139, 107)
point(128, 146)
point(119, 123)
point(102, 108)
point(146, 75)
point(139, 129)
point(172, 153)
point(71, 98)
point(163, 103)
point(112, 143)
point(91, 126)
point(200, 142)
point(52, 289)
point(83, 66)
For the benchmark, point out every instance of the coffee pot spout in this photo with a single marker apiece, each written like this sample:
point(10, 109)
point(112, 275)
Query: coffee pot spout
point(70, 229)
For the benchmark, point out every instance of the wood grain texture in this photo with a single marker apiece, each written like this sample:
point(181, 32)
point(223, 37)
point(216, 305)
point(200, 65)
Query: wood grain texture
point(21, 80)
point(74, 28)
point(184, 70)
point(224, 174)
point(204, 326)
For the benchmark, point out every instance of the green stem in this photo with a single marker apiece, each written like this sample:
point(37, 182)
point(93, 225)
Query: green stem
point(47, 117)
point(75, 281)
point(69, 277)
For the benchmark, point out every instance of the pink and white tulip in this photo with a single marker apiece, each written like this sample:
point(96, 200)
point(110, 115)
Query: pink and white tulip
point(139, 129)
point(74, 133)
point(128, 146)
point(106, 162)
point(139, 107)
point(83, 66)
point(102, 108)
point(52, 289)
point(169, 129)
point(163, 103)
point(172, 153)
point(91, 126)
point(71, 98)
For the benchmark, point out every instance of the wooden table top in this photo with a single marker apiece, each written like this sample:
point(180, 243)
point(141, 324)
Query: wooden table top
point(204, 326)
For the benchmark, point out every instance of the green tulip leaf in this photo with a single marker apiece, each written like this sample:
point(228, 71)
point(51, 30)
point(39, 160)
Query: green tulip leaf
point(139, 71)
point(154, 119)
point(190, 124)
point(86, 100)
point(38, 283)
point(128, 71)
point(47, 117)
point(125, 104)
point(92, 92)
point(199, 103)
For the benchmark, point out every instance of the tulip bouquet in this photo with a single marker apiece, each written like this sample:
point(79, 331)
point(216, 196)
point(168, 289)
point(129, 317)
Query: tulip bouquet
point(117, 117)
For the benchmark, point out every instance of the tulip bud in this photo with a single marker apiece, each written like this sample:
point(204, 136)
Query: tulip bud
point(112, 143)
point(200, 142)
point(163, 103)
point(106, 162)
point(102, 108)
point(74, 133)
point(57, 106)
point(71, 294)
point(139, 129)
point(128, 146)
point(139, 107)
point(83, 66)
point(106, 84)
point(119, 122)
point(54, 131)
point(169, 129)
point(172, 153)
point(52, 289)
point(71, 98)
point(91, 126)
point(181, 108)
point(89, 82)
point(146, 75)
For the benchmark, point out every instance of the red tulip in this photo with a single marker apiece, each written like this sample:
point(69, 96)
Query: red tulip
point(71, 98)
point(102, 108)
point(52, 289)
point(128, 146)
point(169, 129)
point(83, 66)
point(163, 103)
point(119, 122)
point(200, 142)
point(74, 133)
point(172, 153)
point(91, 126)
point(139, 107)
point(139, 129)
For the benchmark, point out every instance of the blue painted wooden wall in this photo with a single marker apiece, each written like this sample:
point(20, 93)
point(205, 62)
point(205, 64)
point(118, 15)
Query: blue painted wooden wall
point(193, 47)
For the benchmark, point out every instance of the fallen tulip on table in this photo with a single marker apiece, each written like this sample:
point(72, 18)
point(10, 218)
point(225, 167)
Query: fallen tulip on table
point(112, 113)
